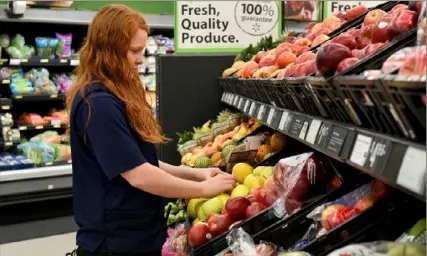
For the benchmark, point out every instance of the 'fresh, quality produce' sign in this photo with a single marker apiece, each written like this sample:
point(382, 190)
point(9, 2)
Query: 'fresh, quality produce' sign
point(332, 7)
point(224, 26)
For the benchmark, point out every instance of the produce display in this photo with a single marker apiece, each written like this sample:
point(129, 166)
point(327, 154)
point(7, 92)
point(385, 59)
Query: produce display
point(175, 212)
point(33, 119)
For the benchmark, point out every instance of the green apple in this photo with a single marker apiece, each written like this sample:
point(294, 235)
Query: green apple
point(257, 171)
point(240, 190)
point(223, 198)
point(194, 205)
point(213, 205)
point(267, 172)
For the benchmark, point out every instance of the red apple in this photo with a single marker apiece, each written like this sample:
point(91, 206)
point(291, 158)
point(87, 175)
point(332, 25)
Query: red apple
point(248, 67)
point(371, 49)
point(356, 11)
point(305, 57)
point(254, 195)
point(199, 234)
point(373, 16)
point(379, 190)
point(355, 32)
point(342, 15)
point(364, 38)
point(236, 207)
point(259, 56)
point(270, 195)
point(267, 61)
point(219, 224)
point(310, 25)
point(403, 22)
point(346, 63)
point(399, 6)
point(379, 32)
point(415, 64)
point(254, 209)
point(355, 53)
point(329, 56)
point(335, 183)
point(346, 40)
point(307, 68)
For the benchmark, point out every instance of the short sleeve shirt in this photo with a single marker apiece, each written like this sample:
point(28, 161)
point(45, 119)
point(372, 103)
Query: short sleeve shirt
point(107, 208)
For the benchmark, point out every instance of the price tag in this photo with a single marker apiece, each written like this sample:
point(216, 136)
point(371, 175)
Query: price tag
point(252, 109)
point(412, 172)
point(223, 97)
point(230, 100)
point(8, 144)
point(378, 155)
point(271, 115)
point(63, 61)
point(49, 163)
point(261, 112)
point(74, 62)
point(54, 96)
point(69, 161)
point(22, 128)
point(283, 120)
point(245, 109)
point(24, 61)
point(44, 61)
point(18, 97)
point(336, 141)
point(236, 100)
point(240, 104)
point(361, 149)
point(303, 131)
point(6, 81)
point(297, 125)
point(39, 127)
point(5, 107)
point(14, 62)
point(313, 130)
point(57, 126)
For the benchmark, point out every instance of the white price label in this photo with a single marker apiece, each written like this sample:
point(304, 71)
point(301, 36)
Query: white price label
point(271, 115)
point(232, 99)
point(239, 105)
point(228, 98)
point(223, 96)
point(74, 62)
point(236, 100)
point(252, 109)
point(260, 112)
point(245, 109)
point(14, 62)
point(361, 149)
point(313, 130)
point(303, 131)
point(283, 120)
point(412, 172)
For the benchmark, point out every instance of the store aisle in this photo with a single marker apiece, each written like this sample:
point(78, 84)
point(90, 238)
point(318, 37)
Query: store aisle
point(57, 245)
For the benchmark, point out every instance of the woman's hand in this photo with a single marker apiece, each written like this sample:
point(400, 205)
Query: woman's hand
point(208, 173)
point(218, 184)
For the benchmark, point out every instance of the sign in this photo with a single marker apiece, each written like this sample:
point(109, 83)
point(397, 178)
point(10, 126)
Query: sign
point(332, 7)
point(224, 26)
point(302, 10)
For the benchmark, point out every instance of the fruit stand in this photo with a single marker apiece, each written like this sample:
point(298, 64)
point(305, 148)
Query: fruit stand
point(325, 133)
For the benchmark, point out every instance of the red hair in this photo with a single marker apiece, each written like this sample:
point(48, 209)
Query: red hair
point(103, 56)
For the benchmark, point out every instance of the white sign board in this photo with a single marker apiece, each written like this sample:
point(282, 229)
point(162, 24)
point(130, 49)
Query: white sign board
point(224, 26)
point(332, 7)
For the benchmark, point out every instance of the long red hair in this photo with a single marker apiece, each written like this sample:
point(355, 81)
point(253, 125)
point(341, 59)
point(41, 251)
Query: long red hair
point(103, 57)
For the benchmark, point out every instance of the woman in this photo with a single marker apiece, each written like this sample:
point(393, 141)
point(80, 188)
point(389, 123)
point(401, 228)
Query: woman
point(118, 182)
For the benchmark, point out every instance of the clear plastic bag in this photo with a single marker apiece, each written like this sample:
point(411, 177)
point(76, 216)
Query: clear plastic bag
point(176, 244)
point(300, 178)
point(409, 61)
point(421, 32)
point(242, 244)
point(381, 248)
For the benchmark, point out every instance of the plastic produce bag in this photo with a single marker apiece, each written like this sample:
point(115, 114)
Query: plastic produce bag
point(47, 137)
point(333, 214)
point(18, 41)
point(63, 50)
point(381, 248)
point(46, 47)
point(176, 244)
point(416, 234)
point(421, 32)
point(300, 178)
point(4, 40)
point(38, 152)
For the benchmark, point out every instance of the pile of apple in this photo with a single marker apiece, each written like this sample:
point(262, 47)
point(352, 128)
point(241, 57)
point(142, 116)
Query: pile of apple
point(287, 59)
point(254, 193)
point(379, 28)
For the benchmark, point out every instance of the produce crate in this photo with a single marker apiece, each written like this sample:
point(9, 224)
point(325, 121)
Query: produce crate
point(370, 102)
point(303, 96)
point(382, 221)
point(275, 90)
point(330, 99)
point(260, 89)
point(286, 95)
point(251, 85)
point(265, 87)
point(405, 96)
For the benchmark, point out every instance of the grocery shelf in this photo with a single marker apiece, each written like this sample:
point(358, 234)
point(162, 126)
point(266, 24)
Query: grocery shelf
point(35, 173)
point(40, 62)
point(79, 17)
point(41, 97)
point(41, 127)
point(399, 163)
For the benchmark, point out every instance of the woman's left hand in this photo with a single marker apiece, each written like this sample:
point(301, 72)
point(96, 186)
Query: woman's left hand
point(208, 173)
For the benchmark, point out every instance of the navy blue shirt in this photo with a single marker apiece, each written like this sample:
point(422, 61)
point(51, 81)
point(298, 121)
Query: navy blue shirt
point(106, 208)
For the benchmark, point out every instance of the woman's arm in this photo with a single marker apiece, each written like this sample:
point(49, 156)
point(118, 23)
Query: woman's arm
point(153, 180)
point(183, 172)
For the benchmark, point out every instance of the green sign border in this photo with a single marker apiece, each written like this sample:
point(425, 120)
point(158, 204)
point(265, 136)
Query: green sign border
point(216, 50)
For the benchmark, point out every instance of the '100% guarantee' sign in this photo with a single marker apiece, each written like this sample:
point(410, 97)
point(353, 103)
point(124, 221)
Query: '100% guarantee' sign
point(224, 26)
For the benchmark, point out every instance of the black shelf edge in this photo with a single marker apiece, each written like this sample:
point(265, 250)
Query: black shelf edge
point(41, 127)
point(39, 62)
point(399, 163)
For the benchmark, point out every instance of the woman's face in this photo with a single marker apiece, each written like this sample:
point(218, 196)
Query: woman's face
point(137, 46)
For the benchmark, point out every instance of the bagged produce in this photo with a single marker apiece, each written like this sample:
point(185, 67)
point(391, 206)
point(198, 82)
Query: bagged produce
point(47, 137)
point(381, 248)
point(46, 47)
point(38, 152)
point(4, 40)
point(299, 178)
point(63, 50)
point(416, 234)
point(31, 119)
point(421, 32)
point(176, 243)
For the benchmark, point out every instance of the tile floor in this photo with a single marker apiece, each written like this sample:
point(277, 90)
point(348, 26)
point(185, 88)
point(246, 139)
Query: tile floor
point(57, 245)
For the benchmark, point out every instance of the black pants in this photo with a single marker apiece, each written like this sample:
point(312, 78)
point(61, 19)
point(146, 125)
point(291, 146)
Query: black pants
point(102, 252)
